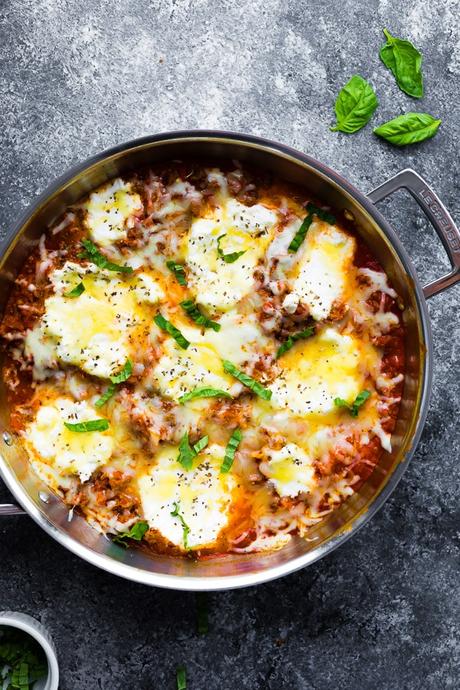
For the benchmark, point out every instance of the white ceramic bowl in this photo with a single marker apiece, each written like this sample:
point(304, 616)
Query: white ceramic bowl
point(21, 621)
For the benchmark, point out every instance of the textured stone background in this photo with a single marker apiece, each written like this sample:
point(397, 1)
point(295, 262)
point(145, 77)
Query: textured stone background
point(76, 77)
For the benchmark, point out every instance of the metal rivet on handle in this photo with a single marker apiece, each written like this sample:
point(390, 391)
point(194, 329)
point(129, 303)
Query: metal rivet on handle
point(7, 438)
point(43, 496)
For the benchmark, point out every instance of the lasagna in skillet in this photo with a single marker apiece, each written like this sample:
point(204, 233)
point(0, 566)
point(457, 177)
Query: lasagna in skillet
point(203, 360)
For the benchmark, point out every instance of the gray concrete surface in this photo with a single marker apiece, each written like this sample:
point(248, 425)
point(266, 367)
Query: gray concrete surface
point(79, 76)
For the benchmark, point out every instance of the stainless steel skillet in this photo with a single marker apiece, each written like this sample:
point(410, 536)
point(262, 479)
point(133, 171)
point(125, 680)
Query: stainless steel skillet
point(243, 570)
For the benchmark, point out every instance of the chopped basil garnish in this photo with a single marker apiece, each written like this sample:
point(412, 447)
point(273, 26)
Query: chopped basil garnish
point(187, 453)
point(179, 272)
point(93, 254)
point(301, 335)
point(181, 678)
point(204, 393)
point(124, 374)
point(301, 233)
point(22, 661)
point(195, 314)
point(359, 401)
point(76, 291)
point(202, 613)
point(106, 396)
point(228, 258)
point(92, 425)
point(121, 377)
point(167, 326)
point(247, 380)
point(232, 445)
point(136, 532)
point(185, 527)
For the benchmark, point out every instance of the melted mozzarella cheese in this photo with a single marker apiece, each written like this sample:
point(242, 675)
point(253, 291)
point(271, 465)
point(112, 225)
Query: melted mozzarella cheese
point(322, 271)
point(110, 211)
point(240, 339)
point(219, 285)
point(290, 470)
point(69, 452)
point(316, 371)
point(202, 494)
point(179, 371)
point(91, 331)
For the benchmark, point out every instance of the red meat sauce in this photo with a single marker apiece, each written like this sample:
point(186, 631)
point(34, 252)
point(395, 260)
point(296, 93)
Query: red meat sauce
point(25, 305)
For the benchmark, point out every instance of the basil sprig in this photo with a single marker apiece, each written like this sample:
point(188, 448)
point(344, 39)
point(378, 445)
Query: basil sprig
point(121, 377)
point(179, 272)
point(136, 532)
point(354, 106)
point(301, 233)
point(247, 380)
point(196, 315)
point(301, 335)
point(188, 453)
point(355, 406)
point(185, 527)
point(232, 446)
point(410, 128)
point(76, 291)
point(93, 254)
point(204, 393)
point(168, 327)
point(405, 61)
point(91, 425)
point(228, 258)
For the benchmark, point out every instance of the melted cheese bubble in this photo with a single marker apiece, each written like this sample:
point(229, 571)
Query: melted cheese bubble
point(202, 494)
point(48, 440)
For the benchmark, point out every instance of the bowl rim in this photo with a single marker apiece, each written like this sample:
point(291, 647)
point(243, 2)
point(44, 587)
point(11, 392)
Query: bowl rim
point(216, 582)
point(31, 626)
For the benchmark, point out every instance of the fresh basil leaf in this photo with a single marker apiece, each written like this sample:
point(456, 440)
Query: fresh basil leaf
point(405, 61)
point(187, 453)
point(106, 396)
point(228, 258)
point(185, 527)
point(93, 254)
point(355, 105)
point(196, 315)
point(359, 401)
point(232, 445)
point(247, 380)
point(124, 374)
point(202, 613)
point(179, 272)
point(168, 327)
point(76, 291)
point(410, 128)
point(204, 393)
point(301, 335)
point(181, 678)
point(136, 532)
point(92, 425)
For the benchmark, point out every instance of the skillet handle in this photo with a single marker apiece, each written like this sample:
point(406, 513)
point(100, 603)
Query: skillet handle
point(11, 509)
point(436, 213)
